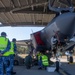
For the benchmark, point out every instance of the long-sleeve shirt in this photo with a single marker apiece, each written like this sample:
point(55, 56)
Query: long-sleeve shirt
point(15, 48)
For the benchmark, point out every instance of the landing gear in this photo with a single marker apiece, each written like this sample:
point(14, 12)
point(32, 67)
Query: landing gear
point(57, 62)
point(57, 66)
point(69, 57)
point(57, 54)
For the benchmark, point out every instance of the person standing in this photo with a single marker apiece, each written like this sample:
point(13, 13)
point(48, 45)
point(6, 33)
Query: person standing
point(12, 54)
point(28, 61)
point(39, 60)
point(49, 55)
point(4, 47)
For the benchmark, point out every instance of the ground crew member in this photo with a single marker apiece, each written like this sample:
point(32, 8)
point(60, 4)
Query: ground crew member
point(4, 47)
point(28, 61)
point(49, 55)
point(44, 61)
point(38, 59)
point(11, 54)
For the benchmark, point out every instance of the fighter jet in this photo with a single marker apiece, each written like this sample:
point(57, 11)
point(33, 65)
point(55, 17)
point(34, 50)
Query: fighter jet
point(62, 27)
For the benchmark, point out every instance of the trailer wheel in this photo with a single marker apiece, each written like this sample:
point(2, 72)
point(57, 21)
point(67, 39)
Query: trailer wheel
point(16, 62)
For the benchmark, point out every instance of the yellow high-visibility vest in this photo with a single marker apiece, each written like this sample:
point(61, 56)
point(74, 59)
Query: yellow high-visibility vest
point(11, 51)
point(38, 55)
point(3, 43)
point(12, 48)
point(45, 60)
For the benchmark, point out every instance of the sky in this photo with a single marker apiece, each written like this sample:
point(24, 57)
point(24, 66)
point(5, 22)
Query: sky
point(20, 33)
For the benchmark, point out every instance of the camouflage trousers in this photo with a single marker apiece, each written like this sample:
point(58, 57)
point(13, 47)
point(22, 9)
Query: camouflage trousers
point(11, 59)
point(4, 65)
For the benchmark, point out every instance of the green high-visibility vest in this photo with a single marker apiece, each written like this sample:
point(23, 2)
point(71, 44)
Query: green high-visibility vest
point(45, 60)
point(3, 43)
point(11, 51)
point(39, 54)
point(12, 48)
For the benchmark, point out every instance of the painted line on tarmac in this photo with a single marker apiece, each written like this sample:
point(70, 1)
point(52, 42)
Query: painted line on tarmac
point(63, 72)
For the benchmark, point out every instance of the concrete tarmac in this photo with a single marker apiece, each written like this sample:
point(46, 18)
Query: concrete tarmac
point(68, 68)
point(21, 70)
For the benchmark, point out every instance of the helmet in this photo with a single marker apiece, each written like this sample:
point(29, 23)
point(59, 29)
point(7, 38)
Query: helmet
point(14, 40)
point(3, 34)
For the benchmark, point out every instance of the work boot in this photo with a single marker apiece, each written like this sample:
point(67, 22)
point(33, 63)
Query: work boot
point(12, 73)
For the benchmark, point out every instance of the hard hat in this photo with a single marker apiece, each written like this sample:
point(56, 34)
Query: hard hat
point(3, 34)
point(13, 39)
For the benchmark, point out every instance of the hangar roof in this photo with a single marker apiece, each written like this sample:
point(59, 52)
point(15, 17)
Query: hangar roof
point(26, 12)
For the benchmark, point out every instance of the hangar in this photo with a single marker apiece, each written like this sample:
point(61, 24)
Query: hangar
point(17, 13)
point(21, 13)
